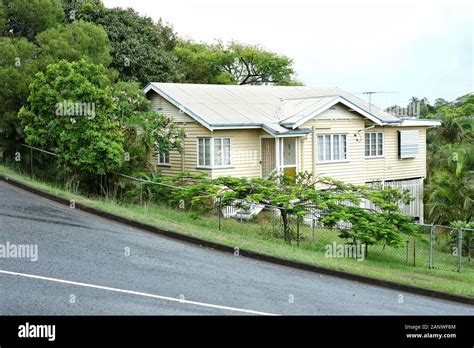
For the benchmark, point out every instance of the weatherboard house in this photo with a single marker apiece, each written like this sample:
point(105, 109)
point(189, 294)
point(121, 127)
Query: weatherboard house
point(252, 131)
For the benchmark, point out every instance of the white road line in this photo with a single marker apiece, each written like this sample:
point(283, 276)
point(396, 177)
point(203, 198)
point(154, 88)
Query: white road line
point(137, 293)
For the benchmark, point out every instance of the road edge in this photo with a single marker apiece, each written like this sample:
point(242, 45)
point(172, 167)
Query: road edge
point(243, 252)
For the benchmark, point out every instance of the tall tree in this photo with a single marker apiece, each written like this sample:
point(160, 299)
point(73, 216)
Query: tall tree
point(440, 102)
point(85, 10)
point(27, 18)
point(233, 63)
point(145, 132)
point(3, 19)
point(449, 192)
point(252, 65)
point(142, 50)
point(450, 188)
point(72, 42)
point(71, 112)
point(202, 63)
point(18, 66)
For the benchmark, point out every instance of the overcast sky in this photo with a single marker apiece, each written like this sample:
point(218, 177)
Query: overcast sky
point(414, 48)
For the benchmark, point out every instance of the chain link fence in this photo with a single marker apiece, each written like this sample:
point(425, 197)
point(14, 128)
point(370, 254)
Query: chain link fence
point(436, 247)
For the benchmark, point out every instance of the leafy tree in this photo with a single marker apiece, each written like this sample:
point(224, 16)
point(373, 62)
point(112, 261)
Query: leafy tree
point(450, 187)
point(27, 18)
point(138, 145)
point(142, 50)
point(72, 42)
point(450, 164)
point(2, 17)
point(440, 102)
point(382, 226)
point(294, 201)
point(201, 63)
point(388, 201)
point(145, 132)
point(21, 60)
point(85, 10)
point(451, 130)
point(17, 68)
point(166, 134)
point(234, 63)
point(129, 100)
point(70, 111)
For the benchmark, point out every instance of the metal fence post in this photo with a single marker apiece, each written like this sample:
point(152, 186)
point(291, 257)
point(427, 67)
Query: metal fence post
point(460, 249)
point(31, 161)
point(414, 252)
point(431, 246)
point(219, 211)
point(273, 221)
point(141, 193)
point(297, 231)
point(407, 251)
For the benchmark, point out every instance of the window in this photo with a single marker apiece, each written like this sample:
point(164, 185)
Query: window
point(408, 143)
point(332, 147)
point(373, 144)
point(164, 158)
point(213, 152)
point(204, 152)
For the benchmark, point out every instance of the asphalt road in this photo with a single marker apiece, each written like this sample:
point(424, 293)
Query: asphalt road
point(83, 269)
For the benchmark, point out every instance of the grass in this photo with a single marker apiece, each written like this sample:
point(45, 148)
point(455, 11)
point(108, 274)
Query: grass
point(260, 237)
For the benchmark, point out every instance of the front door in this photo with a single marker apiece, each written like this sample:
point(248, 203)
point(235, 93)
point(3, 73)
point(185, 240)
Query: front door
point(268, 157)
point(288, 151)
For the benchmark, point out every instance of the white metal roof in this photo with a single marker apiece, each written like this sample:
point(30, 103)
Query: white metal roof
point(217, 106)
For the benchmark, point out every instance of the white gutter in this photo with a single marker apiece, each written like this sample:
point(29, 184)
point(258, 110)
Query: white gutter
point(417, 123)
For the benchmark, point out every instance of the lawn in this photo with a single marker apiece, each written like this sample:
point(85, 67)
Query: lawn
point(260, 236)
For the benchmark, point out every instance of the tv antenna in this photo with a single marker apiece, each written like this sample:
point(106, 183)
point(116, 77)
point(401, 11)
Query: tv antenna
point(369, 93)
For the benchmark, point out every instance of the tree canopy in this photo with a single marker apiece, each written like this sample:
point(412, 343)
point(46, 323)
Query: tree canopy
point(142, 50)
point(233, 63)
point(70, 111)
point(450, 181)
point(73, 42)
point(2, 17)
point(27, 18)
point(18, 66)
point(297, 200)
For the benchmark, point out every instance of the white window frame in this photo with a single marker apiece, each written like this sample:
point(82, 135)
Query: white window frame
point(212, 153)
point(164, 159)
point(377, 148)
point(341, 152)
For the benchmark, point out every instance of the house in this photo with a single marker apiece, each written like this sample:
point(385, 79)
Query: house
point(252, 131)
